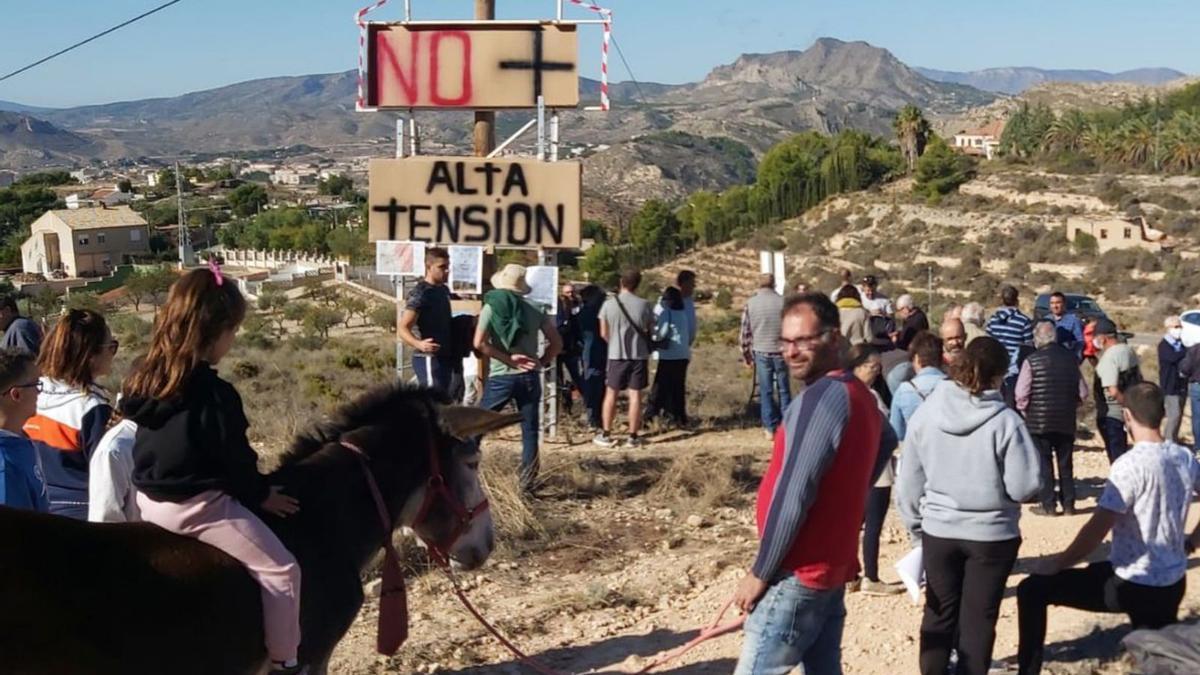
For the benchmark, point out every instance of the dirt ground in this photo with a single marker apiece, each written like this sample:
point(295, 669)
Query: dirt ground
point(628, 553)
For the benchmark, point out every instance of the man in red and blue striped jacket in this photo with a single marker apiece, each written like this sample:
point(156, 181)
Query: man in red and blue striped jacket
point(831, 447)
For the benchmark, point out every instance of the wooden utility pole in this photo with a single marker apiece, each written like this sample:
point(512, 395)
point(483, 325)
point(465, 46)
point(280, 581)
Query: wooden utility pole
point(485, 122)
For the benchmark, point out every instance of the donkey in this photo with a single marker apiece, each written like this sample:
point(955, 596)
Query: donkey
point(134, 599)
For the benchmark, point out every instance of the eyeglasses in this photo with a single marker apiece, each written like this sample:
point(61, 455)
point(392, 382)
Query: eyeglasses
point(37, 386)
point(805, 341)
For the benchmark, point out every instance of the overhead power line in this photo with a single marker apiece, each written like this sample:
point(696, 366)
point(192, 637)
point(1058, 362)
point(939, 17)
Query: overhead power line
point(84, 42)
point(637, 85)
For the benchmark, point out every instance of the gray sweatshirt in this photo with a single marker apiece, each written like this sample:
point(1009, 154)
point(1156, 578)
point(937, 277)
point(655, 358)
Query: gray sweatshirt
point(968, 463)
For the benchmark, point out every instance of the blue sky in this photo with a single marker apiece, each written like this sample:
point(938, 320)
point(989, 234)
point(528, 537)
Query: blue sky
point(198, 44)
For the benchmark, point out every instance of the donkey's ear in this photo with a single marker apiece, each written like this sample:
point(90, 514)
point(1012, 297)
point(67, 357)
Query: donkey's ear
point(463, 422)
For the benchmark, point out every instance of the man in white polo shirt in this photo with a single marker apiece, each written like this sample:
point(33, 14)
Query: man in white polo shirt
point(1145, 504)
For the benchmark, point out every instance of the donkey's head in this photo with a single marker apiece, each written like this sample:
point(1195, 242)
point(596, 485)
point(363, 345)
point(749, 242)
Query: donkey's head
point(451, 515)
point(422, 452)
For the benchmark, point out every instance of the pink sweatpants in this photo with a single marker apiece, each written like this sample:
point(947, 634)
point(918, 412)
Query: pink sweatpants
point(219, 520)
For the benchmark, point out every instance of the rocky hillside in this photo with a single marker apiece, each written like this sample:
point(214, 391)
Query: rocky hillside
point(1006, 225)
point(28, 142)
point(1017, 80)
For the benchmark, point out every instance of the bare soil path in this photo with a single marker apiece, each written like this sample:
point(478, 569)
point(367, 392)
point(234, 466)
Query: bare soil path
point(640, 549)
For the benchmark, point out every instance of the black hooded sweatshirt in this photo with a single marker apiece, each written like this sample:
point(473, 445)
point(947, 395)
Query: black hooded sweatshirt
point(194, 442)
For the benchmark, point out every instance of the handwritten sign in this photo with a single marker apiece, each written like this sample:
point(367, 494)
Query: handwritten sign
point(466, 269)
point(543, 287)
point(476, 201)
point(400, 258)
point(447, 65)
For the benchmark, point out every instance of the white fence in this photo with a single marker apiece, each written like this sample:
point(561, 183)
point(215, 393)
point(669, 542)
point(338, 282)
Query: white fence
point(274, 260)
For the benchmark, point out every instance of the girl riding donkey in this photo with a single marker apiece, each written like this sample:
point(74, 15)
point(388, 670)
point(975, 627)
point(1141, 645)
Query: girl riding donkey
point(194, 469)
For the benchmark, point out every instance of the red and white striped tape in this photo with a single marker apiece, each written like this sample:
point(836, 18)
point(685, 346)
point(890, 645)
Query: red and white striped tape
point(605, 15)
point(359, 17)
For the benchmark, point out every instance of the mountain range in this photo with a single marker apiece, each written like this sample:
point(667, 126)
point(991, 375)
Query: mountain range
point(1017, 80)
point(659, 140)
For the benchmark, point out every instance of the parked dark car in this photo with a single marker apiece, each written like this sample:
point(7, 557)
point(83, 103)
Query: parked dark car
point(1081, 305)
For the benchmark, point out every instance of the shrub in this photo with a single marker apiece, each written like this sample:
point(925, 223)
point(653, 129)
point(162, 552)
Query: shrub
point(1085, 244)
point(246, 370)
point(777, 244)
point(1029, 184)
point(1169, 201)
point(724, 298)
point(1110, 190)
point(383, 316)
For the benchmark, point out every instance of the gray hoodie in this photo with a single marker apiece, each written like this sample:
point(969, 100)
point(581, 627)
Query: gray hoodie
point(968, 462)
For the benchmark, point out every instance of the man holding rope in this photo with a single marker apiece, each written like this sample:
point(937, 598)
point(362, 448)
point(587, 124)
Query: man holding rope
point(831, 447)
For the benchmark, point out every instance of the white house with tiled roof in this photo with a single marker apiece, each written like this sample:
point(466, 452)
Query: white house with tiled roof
point(984, 141)
point(84, 242)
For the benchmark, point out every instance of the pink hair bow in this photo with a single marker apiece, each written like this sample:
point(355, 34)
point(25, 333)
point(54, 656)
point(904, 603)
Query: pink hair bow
point(215, 268)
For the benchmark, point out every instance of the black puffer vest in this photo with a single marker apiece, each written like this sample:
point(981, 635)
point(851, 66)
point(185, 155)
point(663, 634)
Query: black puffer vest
point(1054, 395)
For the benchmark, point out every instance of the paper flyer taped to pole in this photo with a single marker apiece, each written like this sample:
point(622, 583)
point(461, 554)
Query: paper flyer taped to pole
point(466, 269)
point(400, 258)
point(911, 569)
point(543, 284)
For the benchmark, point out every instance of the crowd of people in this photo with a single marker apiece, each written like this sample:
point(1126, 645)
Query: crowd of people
point(956, 429)
point(982, 415)
point(600, 344)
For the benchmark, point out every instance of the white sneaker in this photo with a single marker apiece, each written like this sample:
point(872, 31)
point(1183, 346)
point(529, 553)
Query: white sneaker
point(633, 442)
point(603, 440)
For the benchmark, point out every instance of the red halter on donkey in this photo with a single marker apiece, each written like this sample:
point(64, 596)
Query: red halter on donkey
point(134, 599)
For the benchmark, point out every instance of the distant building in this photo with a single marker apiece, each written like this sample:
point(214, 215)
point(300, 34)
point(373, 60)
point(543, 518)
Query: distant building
point(110, 197)
point(152, 179)
point(295, 177)
point(1113, 233)
point(981, 142)
point(84, 241)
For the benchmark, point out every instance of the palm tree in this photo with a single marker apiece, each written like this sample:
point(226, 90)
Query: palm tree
point(912, 130)
point(1182, 141)
point(1101, 143)
point(1067, 133)
point(1138, 142)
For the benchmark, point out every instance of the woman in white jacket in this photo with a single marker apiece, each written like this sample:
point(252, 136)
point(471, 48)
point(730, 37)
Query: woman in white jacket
point(111, 495)
point(968, 464)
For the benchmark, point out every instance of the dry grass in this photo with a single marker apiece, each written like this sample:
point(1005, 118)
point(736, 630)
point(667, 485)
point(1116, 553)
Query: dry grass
point(699, 483)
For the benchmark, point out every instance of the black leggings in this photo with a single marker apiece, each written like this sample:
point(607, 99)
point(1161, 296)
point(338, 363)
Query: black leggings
point(878, 500)
point(1095, 588)
point(668, 395)
point(964, 584)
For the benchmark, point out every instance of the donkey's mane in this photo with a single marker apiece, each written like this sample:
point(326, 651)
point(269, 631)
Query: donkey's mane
point(383, 405)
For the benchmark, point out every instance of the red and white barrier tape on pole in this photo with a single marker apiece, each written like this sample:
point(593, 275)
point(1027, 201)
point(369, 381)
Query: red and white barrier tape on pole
point(605, 15)
point(361, 103)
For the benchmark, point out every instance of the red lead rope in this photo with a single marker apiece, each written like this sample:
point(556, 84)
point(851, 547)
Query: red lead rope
point(393, 596)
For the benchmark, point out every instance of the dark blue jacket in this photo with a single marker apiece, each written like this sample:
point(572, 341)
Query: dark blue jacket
point(21, 483)
point(1170, 356)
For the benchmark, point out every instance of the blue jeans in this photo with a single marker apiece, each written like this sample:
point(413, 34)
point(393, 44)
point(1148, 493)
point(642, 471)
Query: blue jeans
point(525, 390)
point(1194, 394)
point(792, 625)
point(1116, 440)
point(772, 376)
point(437, 372)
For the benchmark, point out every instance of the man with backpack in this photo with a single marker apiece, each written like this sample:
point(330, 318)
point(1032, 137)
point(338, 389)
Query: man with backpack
point(626, 321)
point(1117, 370)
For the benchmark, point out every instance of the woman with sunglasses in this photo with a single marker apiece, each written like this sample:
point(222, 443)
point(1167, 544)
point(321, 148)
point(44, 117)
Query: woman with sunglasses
point(73, 410)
